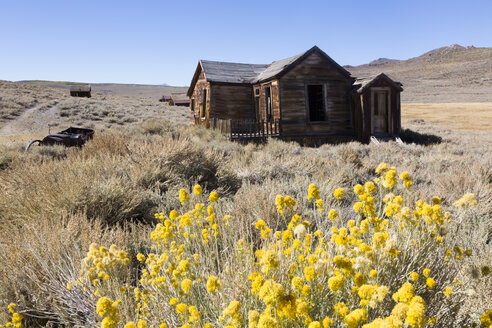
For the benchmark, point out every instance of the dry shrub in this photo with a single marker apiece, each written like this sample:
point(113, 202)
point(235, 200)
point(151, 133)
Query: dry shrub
point(35, 270)
point(127, 175)
point(112, 178)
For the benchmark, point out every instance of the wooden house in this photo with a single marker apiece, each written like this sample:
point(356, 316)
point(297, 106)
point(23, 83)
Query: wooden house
point(305, 97)
point(80, 91)
point(179, 99)
point(165, 98)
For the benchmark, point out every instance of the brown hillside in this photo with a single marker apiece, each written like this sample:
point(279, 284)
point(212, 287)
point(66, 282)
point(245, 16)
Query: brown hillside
point(447, 74)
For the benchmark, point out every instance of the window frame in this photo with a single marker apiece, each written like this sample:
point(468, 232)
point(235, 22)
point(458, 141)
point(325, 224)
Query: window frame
point(325, 106)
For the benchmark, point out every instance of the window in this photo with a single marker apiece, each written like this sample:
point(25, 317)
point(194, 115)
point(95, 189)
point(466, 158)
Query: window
point(268, 98)
point(204, 104)
point(192, 105)
point(316, 102)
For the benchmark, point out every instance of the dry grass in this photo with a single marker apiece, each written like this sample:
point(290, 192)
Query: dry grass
point(101, 191)
point(456, 116)
point(17, 97)
point(107, 191)
point(30, 110)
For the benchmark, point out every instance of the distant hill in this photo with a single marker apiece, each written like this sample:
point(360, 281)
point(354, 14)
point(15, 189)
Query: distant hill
point(447, 74)
point(129, 90)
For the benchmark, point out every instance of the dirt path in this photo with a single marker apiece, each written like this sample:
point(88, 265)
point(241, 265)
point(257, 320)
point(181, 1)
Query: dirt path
point(31, 121)
point(31, 124)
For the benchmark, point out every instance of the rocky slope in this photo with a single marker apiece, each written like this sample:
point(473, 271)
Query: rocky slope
point(446, 74)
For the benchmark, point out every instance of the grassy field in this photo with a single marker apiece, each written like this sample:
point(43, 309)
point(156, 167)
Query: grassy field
point(55, 202)
point(456, 116)
point(29, 111)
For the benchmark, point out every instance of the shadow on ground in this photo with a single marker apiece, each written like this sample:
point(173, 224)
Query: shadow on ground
point(410, 136)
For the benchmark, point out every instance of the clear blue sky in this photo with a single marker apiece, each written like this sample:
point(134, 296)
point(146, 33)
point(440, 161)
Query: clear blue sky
point(154, 42)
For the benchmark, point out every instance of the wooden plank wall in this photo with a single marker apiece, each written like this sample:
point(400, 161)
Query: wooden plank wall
point(231, 101)
point(274, 87)
point(295, 112)
point(395, 124)
point(358, 124)
point(197, 94)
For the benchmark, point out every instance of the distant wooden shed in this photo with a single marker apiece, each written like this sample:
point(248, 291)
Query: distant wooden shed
point(304, 97)
point(179, 99)
point(165, 98)
point(80, 91)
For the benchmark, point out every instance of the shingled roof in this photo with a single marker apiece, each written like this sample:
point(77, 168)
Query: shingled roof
point(363, 83)
point(253, 73)
point(276, 67)
point(230, 72)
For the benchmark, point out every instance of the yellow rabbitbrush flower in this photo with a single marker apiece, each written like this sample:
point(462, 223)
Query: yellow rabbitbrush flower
point(186, 285)
point(338, 193)
point(197, 189)
point(313, 193)
point(467, 200)
point(212, 284)
point(214, 196)
point(416, 312)
point(183, 196)
point(430, 282)
point(486, 319)
point(301, 273)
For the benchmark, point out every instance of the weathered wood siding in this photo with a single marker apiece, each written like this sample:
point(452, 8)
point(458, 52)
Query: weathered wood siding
point(231, 101)
point(395, 110)
point(197, 95)
point(274, 89)
point(358, 116)
point(293, 100)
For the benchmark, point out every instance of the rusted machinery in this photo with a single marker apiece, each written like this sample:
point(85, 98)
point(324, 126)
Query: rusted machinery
point(70, 137)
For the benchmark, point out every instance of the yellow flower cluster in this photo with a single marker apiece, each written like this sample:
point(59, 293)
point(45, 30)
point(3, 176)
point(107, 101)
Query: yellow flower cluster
point(486, 319)
point(283, 203)
point(338, 193)
point(16, 321)
point(101, 262)
point(313, 193)
point(109, 311)
point(467, 200)
point(294, 273)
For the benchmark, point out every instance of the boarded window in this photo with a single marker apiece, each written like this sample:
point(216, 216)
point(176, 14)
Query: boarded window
point(316, 102)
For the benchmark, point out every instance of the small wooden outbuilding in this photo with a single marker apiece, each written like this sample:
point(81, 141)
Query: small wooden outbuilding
point(179, 99)
point(304, 97)
point(80, 91)
point(377, 102)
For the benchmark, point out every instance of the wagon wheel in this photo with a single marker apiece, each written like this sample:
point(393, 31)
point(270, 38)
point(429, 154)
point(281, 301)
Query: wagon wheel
point(32, 142)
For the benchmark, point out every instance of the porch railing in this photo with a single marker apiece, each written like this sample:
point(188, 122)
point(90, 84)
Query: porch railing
point(246, 129)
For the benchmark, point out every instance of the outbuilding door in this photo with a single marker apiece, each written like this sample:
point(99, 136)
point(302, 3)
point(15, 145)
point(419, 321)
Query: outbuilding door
point(380, 110)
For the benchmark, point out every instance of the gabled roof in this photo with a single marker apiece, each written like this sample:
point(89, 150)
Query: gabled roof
point(361, 84)
point(253, 73)
point(280, 67)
